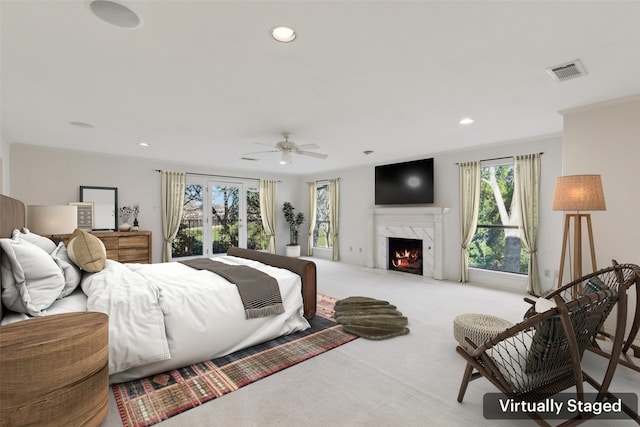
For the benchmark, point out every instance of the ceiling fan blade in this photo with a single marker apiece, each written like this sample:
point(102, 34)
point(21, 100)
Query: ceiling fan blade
point(312, 154)
point(266, 145)
point(307, 147)
point(260, 152)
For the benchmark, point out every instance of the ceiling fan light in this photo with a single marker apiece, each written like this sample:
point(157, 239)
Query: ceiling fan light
point(286, 157)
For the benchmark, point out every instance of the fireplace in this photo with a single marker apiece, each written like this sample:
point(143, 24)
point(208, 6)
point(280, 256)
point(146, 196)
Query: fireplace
point(425, 224)
point(405, 255)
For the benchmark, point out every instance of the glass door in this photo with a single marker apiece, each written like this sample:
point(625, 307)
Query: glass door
point(228, 215)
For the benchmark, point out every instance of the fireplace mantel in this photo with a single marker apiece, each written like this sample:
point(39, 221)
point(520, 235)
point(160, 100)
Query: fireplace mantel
point(424, 223)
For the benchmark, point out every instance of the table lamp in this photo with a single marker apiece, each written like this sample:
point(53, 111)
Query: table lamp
point(48, 220)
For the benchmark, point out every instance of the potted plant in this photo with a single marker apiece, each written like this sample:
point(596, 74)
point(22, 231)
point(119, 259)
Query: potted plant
point(295, 221)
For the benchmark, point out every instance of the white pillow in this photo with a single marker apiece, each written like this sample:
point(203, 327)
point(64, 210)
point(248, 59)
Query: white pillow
point(42, 242)
point(71, 272)
point(31, 279)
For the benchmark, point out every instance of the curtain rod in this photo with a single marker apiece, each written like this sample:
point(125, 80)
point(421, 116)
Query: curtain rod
point(322, 180)
point(217, 176)
point(500, 158)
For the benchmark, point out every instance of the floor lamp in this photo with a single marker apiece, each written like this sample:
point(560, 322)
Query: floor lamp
point(578, 193)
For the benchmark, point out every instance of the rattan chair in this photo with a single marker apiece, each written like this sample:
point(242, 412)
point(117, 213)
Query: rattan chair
point(618, 276)
point(541, 355)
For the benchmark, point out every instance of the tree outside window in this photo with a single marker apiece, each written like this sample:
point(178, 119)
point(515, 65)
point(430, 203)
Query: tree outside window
point(496, 244)
point(256, 237)
point(188, 241)
point(321, 234)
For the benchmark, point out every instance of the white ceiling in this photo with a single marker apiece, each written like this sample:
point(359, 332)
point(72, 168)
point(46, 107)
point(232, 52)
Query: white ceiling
point(201, 81)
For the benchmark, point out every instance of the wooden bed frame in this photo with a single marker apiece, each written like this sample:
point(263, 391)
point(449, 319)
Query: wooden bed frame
point(12, 214)
point(67, 379)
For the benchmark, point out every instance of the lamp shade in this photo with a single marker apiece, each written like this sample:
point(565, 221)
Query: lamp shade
point(579, 193)
point(53, 219)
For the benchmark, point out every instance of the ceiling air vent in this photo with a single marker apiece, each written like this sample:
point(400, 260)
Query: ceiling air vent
point(567, 71)
point(252, 159)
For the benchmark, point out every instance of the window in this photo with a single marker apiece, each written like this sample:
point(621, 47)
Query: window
point(321, 234)
point(496, 244)
point(256, 237)
point(230, 207)
point(188, 241)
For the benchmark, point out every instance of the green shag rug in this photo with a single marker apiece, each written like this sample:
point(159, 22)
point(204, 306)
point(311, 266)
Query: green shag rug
point(370, 318)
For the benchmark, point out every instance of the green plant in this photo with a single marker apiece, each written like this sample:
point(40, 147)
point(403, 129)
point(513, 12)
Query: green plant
point(294, 220)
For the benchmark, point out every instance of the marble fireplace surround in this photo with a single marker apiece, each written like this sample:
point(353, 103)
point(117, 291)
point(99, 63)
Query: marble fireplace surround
point(423, 223)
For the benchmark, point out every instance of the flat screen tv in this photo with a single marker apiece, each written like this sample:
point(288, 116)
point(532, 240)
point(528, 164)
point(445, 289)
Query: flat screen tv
point(407, 183)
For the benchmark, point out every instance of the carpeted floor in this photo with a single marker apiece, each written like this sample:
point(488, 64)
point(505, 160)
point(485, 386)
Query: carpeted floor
point(409, 381)
point(156, 398)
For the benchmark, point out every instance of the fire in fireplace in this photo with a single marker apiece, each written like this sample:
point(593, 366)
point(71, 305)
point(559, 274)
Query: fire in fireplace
point(405, 255)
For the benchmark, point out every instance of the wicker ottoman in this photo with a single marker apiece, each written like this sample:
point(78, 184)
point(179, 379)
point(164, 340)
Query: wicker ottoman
point(478, 328)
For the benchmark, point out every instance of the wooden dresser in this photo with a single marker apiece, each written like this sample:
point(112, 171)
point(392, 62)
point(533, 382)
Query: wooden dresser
point(123, 246)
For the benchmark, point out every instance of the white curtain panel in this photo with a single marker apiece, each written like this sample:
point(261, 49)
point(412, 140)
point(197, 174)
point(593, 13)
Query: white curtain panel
point(172, 189)
point(268, 198)
point(527, 187)
point(334, 215)
point(469, 207)
point(313, 207)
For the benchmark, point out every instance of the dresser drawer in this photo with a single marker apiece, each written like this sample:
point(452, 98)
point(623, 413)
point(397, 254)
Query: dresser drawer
point(133, 242)
point(140, 255)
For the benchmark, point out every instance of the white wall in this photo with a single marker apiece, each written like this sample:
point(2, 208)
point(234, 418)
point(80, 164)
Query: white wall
point(52, 176)
point(357, 198)
point(4, 166)
point(604, 139)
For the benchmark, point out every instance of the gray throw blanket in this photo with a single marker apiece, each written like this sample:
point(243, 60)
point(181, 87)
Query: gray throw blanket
point(259, 292)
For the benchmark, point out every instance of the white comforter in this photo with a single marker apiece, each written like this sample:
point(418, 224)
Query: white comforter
point(166, 316)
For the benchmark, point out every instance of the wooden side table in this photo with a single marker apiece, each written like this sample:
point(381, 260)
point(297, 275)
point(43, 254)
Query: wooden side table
point(54, 369)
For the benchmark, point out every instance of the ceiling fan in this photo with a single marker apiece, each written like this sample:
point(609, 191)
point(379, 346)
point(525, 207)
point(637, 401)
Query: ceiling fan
point(287, 148)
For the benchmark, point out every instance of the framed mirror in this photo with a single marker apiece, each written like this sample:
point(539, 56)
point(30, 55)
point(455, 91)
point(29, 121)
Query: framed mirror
point(105, 206)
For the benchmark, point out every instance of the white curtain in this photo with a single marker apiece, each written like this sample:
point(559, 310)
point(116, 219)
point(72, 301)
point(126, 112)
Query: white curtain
point(469, 207)
point(313, 207)
point(172, 199)
point(527, 194)
point(268, 198)
point(334, 215)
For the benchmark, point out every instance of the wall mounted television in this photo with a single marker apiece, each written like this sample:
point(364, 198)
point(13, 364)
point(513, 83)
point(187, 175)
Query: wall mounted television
point(407, 183)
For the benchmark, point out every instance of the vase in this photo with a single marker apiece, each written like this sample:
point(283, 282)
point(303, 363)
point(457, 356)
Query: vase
point(293, 251)
point(124, 227)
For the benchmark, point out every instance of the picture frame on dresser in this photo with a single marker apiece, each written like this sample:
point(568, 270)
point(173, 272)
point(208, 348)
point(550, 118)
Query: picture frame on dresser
point(85, 215)
point(105, 208)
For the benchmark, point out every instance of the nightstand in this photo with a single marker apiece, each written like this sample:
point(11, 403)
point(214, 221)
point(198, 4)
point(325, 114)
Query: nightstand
point(55, 369)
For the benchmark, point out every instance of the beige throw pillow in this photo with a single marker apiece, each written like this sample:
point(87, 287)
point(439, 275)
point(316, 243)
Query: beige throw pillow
point(87, 251)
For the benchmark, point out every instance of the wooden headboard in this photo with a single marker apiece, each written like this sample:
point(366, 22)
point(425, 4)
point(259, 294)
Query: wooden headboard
point(12, 216)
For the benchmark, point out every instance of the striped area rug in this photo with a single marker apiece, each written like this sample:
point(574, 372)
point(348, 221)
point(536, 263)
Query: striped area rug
point(153, 399)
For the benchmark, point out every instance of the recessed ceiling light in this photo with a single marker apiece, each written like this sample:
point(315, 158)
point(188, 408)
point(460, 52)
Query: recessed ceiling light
point(466, 121)
point(367, 152)
point(115, 14)
point(81, 124)
point(144, 144)
point(283, 34)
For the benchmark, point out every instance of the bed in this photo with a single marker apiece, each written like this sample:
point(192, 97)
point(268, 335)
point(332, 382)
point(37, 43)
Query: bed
point(165, 316)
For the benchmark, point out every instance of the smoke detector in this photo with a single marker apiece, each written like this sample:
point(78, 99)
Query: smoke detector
point(567, 71)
